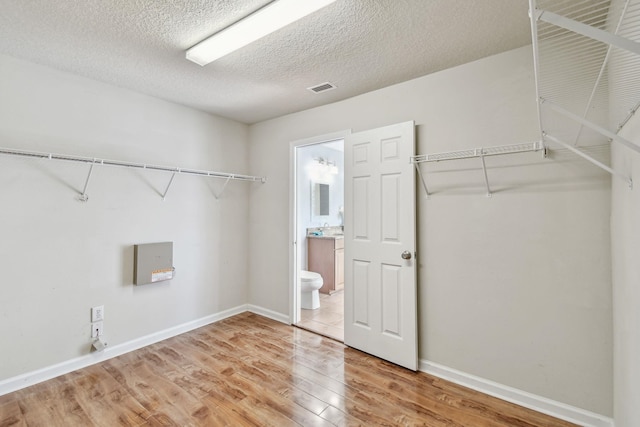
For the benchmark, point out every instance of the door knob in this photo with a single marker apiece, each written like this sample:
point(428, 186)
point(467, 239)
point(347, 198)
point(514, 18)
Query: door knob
point(406, 255)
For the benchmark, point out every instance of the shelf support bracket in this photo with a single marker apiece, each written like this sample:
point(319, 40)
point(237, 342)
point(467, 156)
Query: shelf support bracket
point(484, 170)
point(587, 123)
point(224, 186)
point(83, 197)
point(422, 180)
point(585, 156)
point(164, 195)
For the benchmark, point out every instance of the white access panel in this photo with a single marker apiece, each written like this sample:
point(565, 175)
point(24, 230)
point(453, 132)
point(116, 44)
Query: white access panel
point(152, 262)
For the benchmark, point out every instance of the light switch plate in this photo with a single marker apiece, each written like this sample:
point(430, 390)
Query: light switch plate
point(97, 313)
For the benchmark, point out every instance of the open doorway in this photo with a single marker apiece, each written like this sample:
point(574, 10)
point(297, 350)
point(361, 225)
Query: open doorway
point(318, 227)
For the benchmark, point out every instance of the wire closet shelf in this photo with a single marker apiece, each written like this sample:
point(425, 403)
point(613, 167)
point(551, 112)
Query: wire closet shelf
point(587, 72)
point(92, 161)
point(480, 153)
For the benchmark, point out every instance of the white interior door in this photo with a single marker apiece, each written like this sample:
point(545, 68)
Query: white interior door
point(380, 268)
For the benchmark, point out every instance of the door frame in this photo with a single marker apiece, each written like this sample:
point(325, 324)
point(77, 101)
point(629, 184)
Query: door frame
point(294, 291)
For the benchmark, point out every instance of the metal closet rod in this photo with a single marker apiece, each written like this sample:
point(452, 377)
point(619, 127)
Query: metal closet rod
point(118, 163)
point(94, 161)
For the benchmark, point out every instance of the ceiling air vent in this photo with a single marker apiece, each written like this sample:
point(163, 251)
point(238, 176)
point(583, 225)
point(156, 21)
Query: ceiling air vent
point(322, 87)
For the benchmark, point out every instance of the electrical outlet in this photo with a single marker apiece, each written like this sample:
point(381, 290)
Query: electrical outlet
point(97, 329)
point(97, 313)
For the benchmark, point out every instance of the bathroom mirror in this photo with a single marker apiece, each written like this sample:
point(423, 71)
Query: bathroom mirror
point(319, 199)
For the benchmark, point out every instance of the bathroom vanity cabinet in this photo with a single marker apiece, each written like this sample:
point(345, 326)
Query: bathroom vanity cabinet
point(325, 255)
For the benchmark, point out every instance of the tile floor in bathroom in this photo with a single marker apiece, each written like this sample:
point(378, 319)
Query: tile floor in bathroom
point(327, 320)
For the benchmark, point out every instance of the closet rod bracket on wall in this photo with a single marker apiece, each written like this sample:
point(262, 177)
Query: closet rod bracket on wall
point(224, 186)
point(484, 170)
point(422, 180)
point(173, 175)
point(83, 197)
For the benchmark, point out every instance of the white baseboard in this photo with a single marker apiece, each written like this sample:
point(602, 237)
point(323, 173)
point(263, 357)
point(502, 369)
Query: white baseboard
point(528, 400)
point(274, 315)
point(25, 380)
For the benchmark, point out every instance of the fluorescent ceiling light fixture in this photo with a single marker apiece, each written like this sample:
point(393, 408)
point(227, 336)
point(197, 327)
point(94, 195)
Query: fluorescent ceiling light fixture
point(270, 18)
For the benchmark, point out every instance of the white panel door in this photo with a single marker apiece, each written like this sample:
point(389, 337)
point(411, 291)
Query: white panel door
point(380, 312)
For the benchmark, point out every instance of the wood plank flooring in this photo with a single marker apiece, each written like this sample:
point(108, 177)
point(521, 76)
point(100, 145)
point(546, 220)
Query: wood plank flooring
point(251, 371)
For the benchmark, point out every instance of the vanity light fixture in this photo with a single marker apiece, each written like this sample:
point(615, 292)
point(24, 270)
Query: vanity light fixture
point(270, 18)
point(327, 166)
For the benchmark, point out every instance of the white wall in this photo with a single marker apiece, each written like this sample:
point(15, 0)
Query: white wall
point(625, 238)
point(60, 257)
point(515, 288)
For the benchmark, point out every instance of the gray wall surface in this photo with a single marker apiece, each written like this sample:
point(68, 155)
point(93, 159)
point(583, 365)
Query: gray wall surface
point(515, 288)
point(60, 256)
point(625, 238)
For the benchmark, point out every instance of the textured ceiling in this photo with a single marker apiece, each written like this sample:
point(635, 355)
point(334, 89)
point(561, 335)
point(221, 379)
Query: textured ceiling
point(358, 45)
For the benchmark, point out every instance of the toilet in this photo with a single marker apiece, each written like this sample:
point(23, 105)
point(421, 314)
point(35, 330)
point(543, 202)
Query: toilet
point(310, 282)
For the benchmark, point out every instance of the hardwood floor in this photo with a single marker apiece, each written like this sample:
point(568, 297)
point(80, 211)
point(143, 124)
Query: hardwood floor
point(251, 371)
